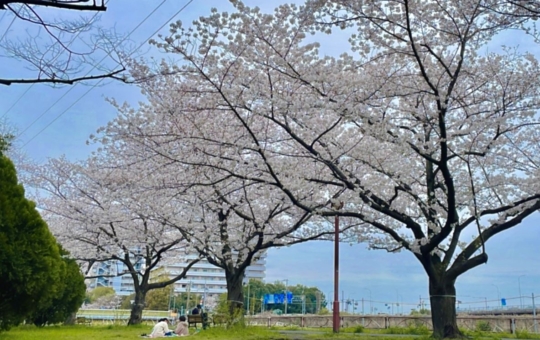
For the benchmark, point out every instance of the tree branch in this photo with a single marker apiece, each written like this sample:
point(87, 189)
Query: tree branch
point(62, 4)
point(111, 75)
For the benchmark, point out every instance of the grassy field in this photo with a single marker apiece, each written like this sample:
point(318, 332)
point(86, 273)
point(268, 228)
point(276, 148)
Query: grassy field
point(133, 332)
point(105, 332)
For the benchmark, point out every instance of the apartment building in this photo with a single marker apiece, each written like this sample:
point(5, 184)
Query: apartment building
point(203, 278)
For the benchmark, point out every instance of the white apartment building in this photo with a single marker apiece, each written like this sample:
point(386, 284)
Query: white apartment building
point(202, 279)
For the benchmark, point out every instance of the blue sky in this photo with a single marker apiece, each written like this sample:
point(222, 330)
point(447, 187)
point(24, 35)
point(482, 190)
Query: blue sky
point(51, 126)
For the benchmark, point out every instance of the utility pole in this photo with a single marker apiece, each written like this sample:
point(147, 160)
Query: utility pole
point(520, 297)
point(204, 295)
point(286, 293)
point(335, 306)
point(188, 292)
point(370, 301)
point(534, 315)
point(318, 306)
point(248, 299)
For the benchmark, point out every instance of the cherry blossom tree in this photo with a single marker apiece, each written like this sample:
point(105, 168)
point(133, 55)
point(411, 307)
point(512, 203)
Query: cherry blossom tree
point(234, 224)
point(230, 221)
point(99, 214)
point(422, 137)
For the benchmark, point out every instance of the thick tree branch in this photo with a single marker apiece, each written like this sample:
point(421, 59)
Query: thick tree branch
point(61, 4)
point(461, 263)
point(111, 75)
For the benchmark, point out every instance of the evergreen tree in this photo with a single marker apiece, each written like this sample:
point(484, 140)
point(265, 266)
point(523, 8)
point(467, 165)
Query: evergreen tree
point(70, 295)
point(29, 256)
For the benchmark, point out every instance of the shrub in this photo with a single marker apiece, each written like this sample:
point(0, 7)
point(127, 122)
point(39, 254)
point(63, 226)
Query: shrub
point(483, 326)
point(412, 329)
point(358, 329)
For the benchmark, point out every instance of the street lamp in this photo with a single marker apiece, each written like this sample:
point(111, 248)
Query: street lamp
point(498, 294)
point(481, 297)
point(286, 291)
point(370, 301)
point(519, 287)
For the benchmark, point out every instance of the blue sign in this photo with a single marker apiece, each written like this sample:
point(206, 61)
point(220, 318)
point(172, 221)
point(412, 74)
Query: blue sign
point(279, 298)
point(503, 302)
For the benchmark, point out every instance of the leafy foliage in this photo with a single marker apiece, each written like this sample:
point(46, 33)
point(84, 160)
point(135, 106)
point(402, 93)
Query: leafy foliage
point(100, 292)
point(483, 326)
point(31, 268)
point(70, 295)
point(159, 299)
point(5, 142)
point(314, 299)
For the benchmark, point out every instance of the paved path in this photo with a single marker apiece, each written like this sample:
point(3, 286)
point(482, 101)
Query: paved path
point(300, 334)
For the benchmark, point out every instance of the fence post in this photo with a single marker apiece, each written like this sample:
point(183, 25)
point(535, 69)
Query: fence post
point(513, 325)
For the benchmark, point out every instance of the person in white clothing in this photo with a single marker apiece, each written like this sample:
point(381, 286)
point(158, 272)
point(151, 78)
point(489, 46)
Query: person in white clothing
point(161, 329)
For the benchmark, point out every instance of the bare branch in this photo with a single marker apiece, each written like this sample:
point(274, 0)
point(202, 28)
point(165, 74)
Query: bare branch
point(62, 4)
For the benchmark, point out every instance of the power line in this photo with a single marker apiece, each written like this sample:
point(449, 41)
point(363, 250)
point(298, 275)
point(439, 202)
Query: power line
point(57, 56)
point(3, 16)
point(96, 84)
point(71, 89)
point(7, 29)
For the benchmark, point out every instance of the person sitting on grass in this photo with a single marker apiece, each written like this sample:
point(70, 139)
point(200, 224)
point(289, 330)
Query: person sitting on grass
point(182, 329)
point(161, 329)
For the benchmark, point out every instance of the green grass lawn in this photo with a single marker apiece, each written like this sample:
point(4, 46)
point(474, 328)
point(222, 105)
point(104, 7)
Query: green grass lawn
point(73, 333)
point(104, 332)
point(132, 332)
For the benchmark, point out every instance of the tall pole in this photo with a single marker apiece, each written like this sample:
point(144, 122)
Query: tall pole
point(498, 293)
point(204, 295)
point(188, 291)
point(534, 315)
point(248, 300)
point(370, 301)
point(286, 291)
point(335, 311)
point(520, 297)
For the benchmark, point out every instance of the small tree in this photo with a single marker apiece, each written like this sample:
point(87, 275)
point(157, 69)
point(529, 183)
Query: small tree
point(99, 292)
point(160, 299)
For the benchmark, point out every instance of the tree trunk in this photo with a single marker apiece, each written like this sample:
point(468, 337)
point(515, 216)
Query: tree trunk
point(235, 294)
point(70, 320)
point(137, 308)
point(443, 309)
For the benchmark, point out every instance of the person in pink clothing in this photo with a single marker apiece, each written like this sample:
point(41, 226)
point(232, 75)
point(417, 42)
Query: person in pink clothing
point(182, 329)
